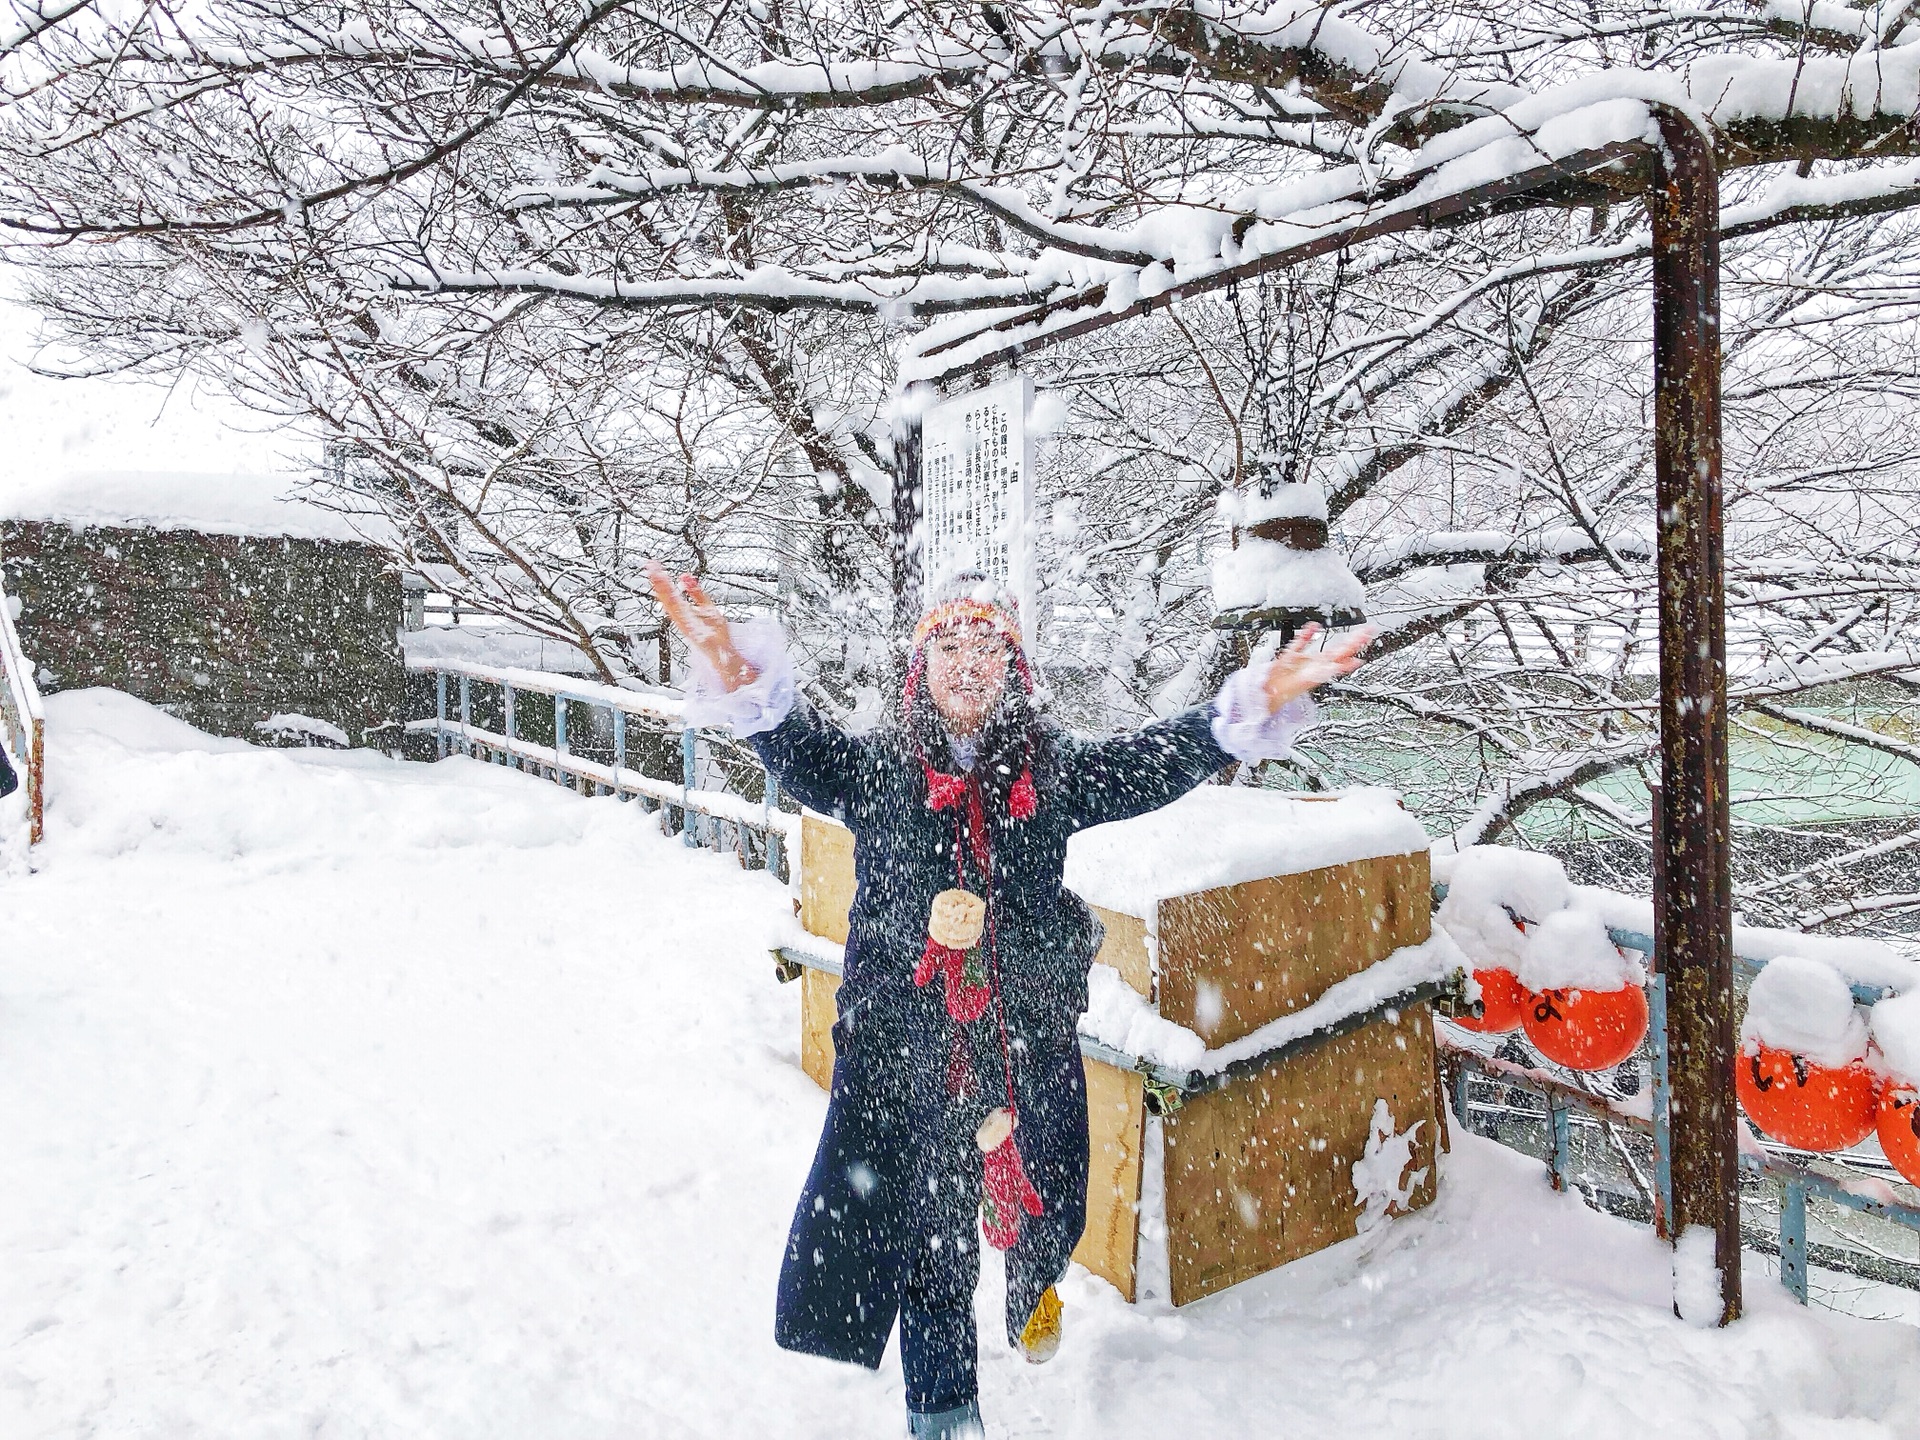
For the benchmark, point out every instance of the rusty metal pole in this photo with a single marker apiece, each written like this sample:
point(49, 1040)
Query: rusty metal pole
point(1693, 903)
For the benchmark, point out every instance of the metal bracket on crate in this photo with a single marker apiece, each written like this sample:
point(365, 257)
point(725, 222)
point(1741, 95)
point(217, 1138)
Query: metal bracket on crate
point(1452, 1004)
point(786, 969)
point(789, 961)
point(1204, 1082)
point(1163, 1099)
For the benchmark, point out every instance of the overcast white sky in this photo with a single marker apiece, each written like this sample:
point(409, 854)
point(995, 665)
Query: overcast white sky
point(58, 427)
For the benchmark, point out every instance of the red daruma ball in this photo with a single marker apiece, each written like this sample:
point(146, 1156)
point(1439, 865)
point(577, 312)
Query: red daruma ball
point(1586, 1029)
point(1805, 1104)
point(1503, 1001)
point(1899, 1127)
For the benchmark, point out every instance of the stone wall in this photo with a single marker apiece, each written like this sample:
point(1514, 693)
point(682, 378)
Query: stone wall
point(219, 630)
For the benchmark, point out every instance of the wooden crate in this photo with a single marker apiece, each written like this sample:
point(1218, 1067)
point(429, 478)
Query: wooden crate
point(1255, 1174)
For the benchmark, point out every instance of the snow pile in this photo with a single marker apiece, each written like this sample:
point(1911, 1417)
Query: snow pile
point(291, 729)
point(1489, 890)
point(1119, 1018)
point(1896, 1030)
point(1862, 961)
point(1224, 835)
point(1377, 1179)
point(1122, 1019)
point(1267, 574)
point(485, 642)
point(1262, 575)
point(255, 506)
point(1433, 959)
point(1493, 890)
point(1807, 1008)
point(1699, 1293)
point(788, 934)
point(1569, 950)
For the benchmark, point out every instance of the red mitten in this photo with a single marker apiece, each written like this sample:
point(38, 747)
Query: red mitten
point(1005, 1193)
point(967, 991)
point(933, 959)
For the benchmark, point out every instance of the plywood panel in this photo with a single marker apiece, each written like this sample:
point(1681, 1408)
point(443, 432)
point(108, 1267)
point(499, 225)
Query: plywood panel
point(1232, 959)
point(1116, 1133)
point(826, 877)
point(1125, 949)
point(818, 1011)
point(1259, 1173)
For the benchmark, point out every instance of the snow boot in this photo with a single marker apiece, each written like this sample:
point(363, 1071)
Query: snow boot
point(960, 1423)
point(1040, 1341)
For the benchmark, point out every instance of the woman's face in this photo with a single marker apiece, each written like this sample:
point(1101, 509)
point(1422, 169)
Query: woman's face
point(966, 671)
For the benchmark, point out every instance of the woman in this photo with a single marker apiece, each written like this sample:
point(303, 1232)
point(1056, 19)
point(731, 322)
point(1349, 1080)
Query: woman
point(958, 1095)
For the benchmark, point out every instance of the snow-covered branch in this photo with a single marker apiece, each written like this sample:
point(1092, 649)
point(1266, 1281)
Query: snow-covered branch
point(1487, 547)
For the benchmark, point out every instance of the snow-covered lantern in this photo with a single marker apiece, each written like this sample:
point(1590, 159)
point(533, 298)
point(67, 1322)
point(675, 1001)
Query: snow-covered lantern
point(1542, 959)
point(1896, 1030)
point(1802, 1073)
point(1490, 891)
point(1586, 1005)
point(1898, 1125)
point(1278, 571)
point(1503, 1003)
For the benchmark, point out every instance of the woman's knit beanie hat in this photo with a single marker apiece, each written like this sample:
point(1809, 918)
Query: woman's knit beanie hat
point(968, 598)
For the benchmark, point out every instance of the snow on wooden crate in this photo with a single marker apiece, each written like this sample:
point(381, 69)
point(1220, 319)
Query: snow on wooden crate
point(1229, 915)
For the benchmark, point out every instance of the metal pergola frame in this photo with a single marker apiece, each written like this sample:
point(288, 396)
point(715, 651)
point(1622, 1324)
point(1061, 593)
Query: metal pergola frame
point(1693, 911)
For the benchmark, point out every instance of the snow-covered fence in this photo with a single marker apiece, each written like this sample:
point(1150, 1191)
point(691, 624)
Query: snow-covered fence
point(1860, 1192)
point(22, 722)
point(758, 829)
point(1512, 914)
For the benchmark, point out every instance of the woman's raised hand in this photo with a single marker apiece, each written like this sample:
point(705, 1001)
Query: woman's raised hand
point(698, 619)
point(1298, 670)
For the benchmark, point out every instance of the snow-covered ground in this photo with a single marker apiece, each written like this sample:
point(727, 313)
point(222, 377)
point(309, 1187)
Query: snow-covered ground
point(341, 1097)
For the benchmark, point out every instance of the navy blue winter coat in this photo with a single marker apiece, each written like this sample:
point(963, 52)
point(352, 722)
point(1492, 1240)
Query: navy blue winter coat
point(892, 1136)
point(9, 782)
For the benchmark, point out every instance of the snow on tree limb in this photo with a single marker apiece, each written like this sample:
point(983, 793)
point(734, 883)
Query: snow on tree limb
point(1482, 547)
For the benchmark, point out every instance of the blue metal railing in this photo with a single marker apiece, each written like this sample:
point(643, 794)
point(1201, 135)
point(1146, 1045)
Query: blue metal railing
point(760, 830)
point(1797, 1181)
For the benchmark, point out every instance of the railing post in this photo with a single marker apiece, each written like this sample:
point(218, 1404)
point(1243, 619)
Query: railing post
point(440, 714)
point(559, 735)
point(1461, 1074)
point(1693, 909)
point(36, 758)
point(689, 756)
point(1793, 1238)
point(1560, 1163)
point(507, 725)
point(466, 714)
point(1661, 1107)
point(619, 749)
point(776, 842)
